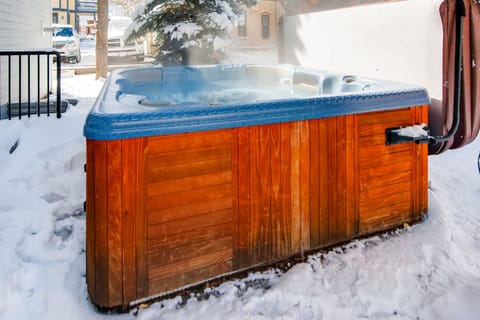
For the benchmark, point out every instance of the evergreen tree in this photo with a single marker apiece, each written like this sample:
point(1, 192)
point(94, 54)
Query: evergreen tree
point(190, 31)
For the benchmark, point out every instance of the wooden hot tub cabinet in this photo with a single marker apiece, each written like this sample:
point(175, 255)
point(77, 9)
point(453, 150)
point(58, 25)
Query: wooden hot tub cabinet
point(168, 211)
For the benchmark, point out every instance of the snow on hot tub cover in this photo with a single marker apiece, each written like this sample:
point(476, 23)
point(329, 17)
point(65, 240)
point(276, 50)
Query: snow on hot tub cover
point(157, 101)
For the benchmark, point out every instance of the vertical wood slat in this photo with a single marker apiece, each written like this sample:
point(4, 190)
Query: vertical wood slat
point(285, 227)
point(242, 170)
point(295, 186)
point(141, 222)
point(90, 221)
point(323, 177)
point(352, 184)
point(130, 159)
point(424, 165)
point(331, 147)
point(277, 226)
point(314, 172)
point(254, 232)
point(235, 200)
point(114, 222)
point(101, 224)
point(264, 179)
point(304, 186)
point(341, 177)
point(420, 168)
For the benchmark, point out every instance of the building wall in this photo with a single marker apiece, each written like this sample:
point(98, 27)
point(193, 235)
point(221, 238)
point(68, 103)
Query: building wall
point(295, 7)
point(21, 27)
point(399, 40)
point(64, 10)
point(253, 25)
point(74, 12)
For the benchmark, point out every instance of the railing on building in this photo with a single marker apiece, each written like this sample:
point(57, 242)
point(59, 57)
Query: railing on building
point(30, 70)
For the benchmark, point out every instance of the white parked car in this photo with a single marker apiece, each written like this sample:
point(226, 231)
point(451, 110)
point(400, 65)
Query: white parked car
point(65, 38)
point(118, 30)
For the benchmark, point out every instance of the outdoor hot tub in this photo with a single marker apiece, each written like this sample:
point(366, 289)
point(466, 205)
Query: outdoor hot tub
point(197, 172)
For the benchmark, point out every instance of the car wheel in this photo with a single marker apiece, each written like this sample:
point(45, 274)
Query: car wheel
point(78, 58)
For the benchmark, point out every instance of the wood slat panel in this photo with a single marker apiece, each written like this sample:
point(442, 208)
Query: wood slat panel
point(372, 141)
point(376, 173)
point(202, 204)
point(184, 266)
point(384, 161)
point(379, 128)
point(368, 152)
point(173, 200)
point(383, 181)
point(188, 183)
point(192, 250)
point(188, 141)
point(189, 210)
point(383, 117)
point(395, 208)
point(187, 170)
point(187, 225)
point(382, 218)
point(399, 207)
point(188, 277)
point(165, 242)
point(191, 155)
point(380, 195)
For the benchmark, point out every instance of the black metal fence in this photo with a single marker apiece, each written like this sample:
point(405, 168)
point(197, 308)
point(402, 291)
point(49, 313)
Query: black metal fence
point(26, 81)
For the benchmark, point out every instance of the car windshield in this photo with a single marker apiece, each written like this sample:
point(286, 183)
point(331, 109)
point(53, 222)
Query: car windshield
point(62, 32)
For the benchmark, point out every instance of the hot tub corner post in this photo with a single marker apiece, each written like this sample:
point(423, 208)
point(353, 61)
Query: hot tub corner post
point(110, 265)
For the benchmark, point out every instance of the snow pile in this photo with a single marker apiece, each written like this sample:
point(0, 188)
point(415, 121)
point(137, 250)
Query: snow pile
point(415, 131)
point(427, 271)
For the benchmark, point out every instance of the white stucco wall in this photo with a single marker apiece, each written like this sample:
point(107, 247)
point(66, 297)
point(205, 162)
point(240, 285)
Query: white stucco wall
point(398, 41)
point(21, 23)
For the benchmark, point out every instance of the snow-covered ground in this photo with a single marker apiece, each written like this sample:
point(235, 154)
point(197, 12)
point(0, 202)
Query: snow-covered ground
point(428, 271)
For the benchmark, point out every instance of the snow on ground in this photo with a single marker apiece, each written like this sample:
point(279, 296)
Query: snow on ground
point(428, 271)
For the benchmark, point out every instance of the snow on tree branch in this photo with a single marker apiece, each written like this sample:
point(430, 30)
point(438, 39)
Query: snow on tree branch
point(188, 30)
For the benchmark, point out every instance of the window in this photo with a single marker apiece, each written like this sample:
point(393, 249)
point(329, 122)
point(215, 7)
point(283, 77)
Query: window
point(265, 26)
point(242, 26)
point(55, 17)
